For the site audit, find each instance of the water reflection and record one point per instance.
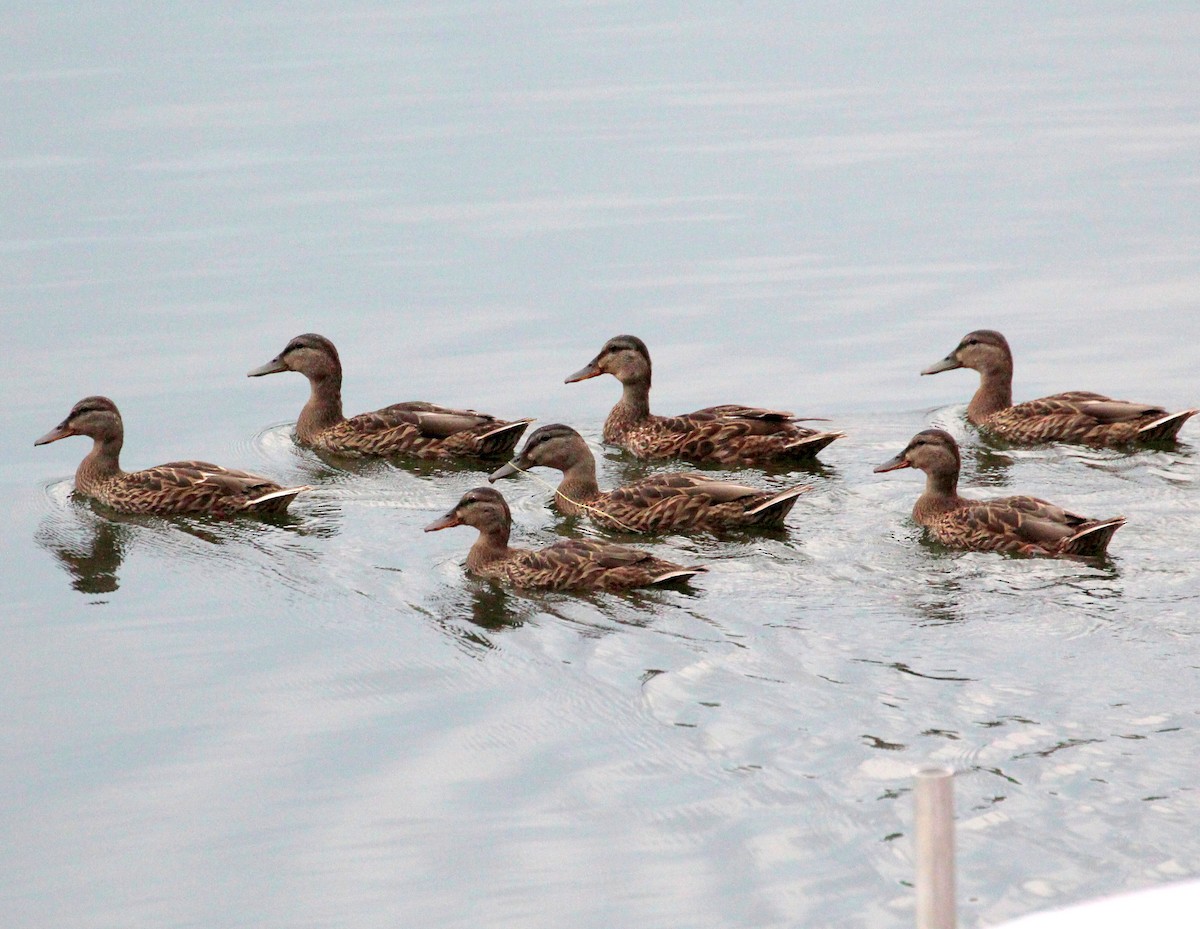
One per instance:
(491, 607)
(939, 602)
(89, 547)
(992, 467)
(91, 541)
(481, 604)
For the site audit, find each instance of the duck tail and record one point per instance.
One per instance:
(1092, 541)
(276, 502)
(501, 441)
(1165, 428)
(773, 510)
(679, 575)
(809, 445)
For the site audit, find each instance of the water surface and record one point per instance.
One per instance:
(326, 722)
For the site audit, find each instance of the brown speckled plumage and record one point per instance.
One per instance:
(659, 503)
(1078, 416)
(1019, 525)
(175, 488)
(419, 429)
(571, 564)
(729, 434)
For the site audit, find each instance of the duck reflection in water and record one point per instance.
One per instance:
(91, 541)
(90, 549)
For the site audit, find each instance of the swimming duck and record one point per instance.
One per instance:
(659, 503)
(179, 487)
(570, 564)
(729, 434)
(1077, 416)
(419, 429)
(1021, 525)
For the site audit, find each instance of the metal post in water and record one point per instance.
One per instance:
(935, 847)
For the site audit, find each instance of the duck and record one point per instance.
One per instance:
(730, 434)
(417, 429)
(1018, 525)
(569, 564)
(660, 503)
(1079, 416)
(175, 488)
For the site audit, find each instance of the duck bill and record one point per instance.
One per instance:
(591, 369)
(445, 522)
(507, 470)
(949, 363)
(894, 464)
(61, 431)
(274, 366)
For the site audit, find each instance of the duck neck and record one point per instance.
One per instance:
(324, 406)
(577, 487)
(631, 409)
(940, 496)
(994, 393)
(101, 464)
(492, 545)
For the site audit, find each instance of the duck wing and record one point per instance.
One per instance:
(575, 553)
(432, 421)
(659, 487)
(425, 430)
(194, 487)
(1096, 406)
(1019, 524)
(181, 475)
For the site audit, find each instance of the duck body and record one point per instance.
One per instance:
(729, 434)
(570, 564)
(419, 429)
(1080, 417)
(1018, 525)
(175, 488)
(415, 428)
(659, 503)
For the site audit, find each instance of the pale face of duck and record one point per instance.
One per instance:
(983, 350)
(483, 508)
(310, 354)
(932, 451)
(95, 417)
(625, 357)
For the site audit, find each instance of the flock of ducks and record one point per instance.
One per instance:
(730, 435)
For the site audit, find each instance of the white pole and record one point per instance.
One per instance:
(935, 847)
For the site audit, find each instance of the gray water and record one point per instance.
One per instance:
(326, 722)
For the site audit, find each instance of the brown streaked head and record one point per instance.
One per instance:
(484, 508)
(931, 450)
(91, 416)
(310, 354)
(624, 356)
(552, 446)
(981, 350)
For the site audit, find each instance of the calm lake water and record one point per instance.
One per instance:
(325, 722)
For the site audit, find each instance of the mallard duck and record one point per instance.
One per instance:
(1078, 416)
(419, 429)
(729, 434)
(179, 487)
(1022, 525)
(659, 503)
(571, 564)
